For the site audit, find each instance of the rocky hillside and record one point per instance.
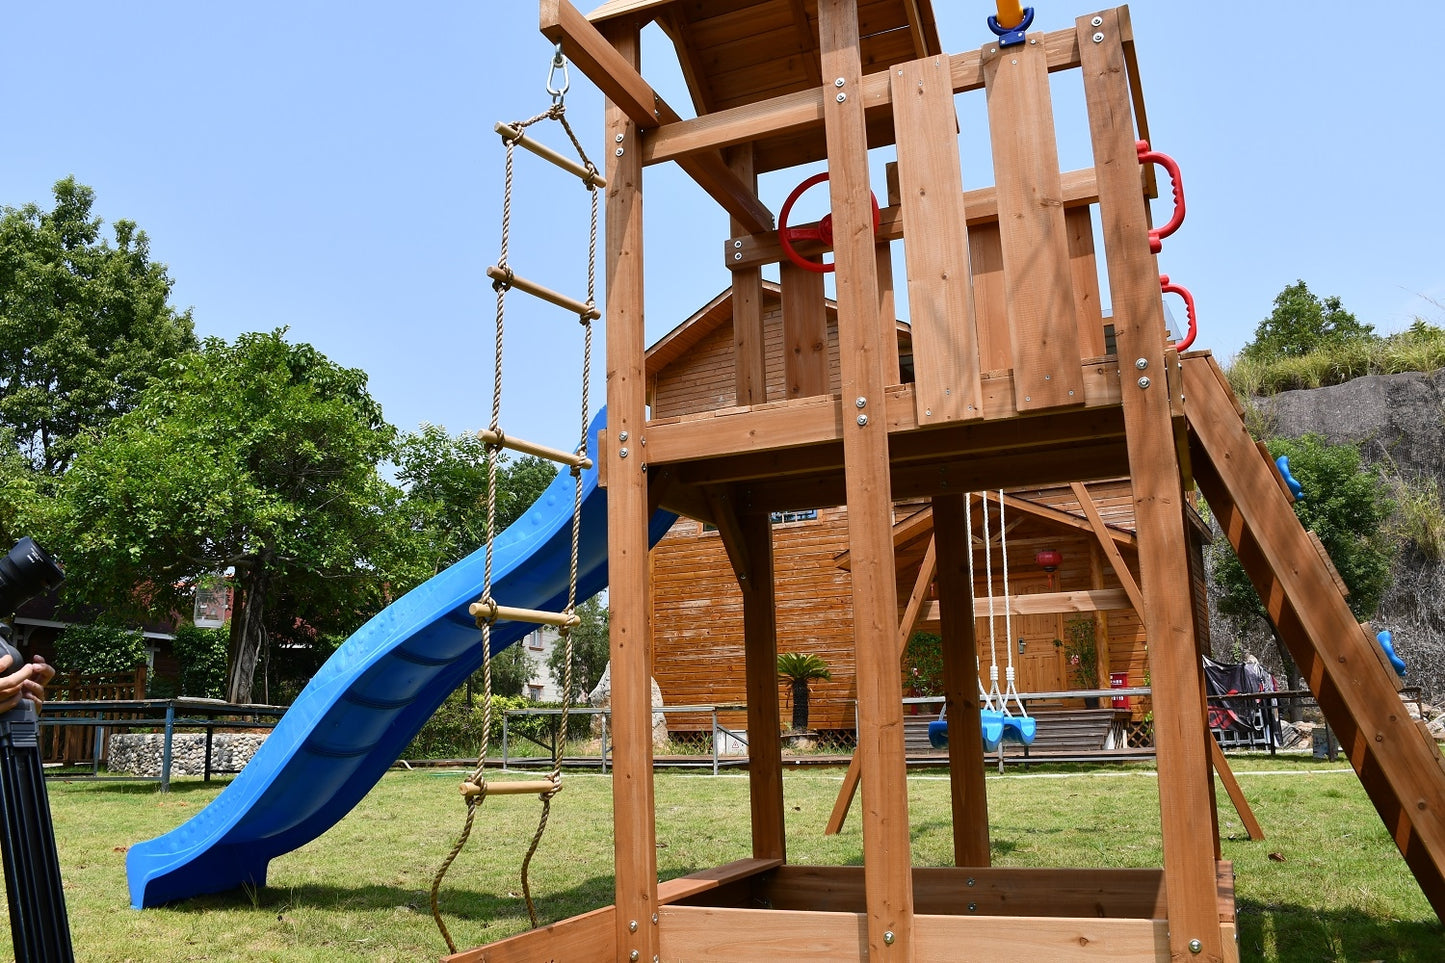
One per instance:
(1398, 422)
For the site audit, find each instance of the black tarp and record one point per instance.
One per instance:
(1241, 722)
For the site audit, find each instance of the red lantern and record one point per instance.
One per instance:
(1048, 559)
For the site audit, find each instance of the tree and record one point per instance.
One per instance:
(258, 457)
(1301, 323)
(99, 649)
(799, 670)
(512, 669)
(1346, 504)
(445, 478)
(590, 650)
(202, 655)
(83, 324)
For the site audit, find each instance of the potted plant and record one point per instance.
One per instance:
(799, 669)
(1082, 654)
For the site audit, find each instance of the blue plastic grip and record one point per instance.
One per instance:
(1296, 489)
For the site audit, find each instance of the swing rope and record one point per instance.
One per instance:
(1009, 690)
(475, 788)
(993, 690)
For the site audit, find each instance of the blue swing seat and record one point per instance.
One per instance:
(993, 725)
(938, 733)
(1019, 729)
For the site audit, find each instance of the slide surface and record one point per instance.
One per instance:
(370, 699)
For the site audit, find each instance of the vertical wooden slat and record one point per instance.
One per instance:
(887, 870)
(888, 314)
(760, 641)
(945, 359)
(750, 373)
(1037, 275)
(633, 819)
(1185, 783)
(1084, 268)
(968, 792)
(985, 252)
(805, 332)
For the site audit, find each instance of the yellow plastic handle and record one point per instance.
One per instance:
(1010, 15)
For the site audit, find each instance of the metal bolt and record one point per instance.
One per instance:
(861, 402)
(842, 97)
(972, 881)
(738, 243)
(888, 937)
(862, 420)
(1142, 363)
(634, 955)
(1098, 38)
(654, 919)
(622, 436)
(632, 926)
(839, 82)
(973, 907)
(617, 152)
(618, 138)
(738, 256)
(1015, 62)
(1196, 947)
(928, 411)
(1097, 22)
(1143, 382)
(1033, 40)
(622, 453)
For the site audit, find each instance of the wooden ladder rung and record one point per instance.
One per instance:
(506, 613)
(579, 308)
(572, 458)
(520, 788)
(590, 177)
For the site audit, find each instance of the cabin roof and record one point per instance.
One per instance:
(734, 53)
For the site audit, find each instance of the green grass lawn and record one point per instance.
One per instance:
(1326, 883)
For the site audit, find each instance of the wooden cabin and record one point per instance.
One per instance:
(1014, 384)
(697, 618)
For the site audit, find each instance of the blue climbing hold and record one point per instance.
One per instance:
(1295, 488)
(1387, 643)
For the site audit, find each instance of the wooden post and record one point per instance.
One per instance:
(960, 676)
(886, 855)
(750, 373)
(760, 641)
(805, 332)
(633, 818)
(1185, 783)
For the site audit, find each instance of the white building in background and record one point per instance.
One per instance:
(538, 645)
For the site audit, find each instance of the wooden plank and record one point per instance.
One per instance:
(968, 796)
(728, 935)
(1060, 517)
(886, 845)
(887, 311)
(760, 635)
(589, 938)
(1236, 794)
(749, 366)
(1329, 564)
(906, 623)
(1038, 281)
(1048, 603)
(706, 880)
(1084, 269)
(1111, 551)
(1185, 787)
(805, 332)
(633, 817)
(980, 205)
(945, 343)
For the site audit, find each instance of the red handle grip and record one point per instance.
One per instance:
(823, 232)
(1147, 156)
(1165, 285)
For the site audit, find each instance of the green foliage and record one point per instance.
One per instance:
(455, 730)
(1081, 651)
(590, 650)
(1346, 504)
(511, 668)
(1419, 517)
(923, 664)
(202, 655)
(84, 325)
(445, 478)
(99, 649)
(802, 667)
(1421, 347)
(1301, 323)
(260, 456)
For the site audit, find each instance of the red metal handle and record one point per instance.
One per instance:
(822, 232)
(1147, 156)
(1165, 285)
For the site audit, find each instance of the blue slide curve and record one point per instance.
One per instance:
(370, 699)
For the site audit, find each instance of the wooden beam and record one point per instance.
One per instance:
(760, 671)
(1048, 603)
(1059, 517)
(1236, 794)
(624, 86)
(1111, 551)
(749, 352)
(805, 332)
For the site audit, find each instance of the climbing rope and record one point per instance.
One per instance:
(486, 609)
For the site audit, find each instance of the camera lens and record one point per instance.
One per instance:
(25, 572)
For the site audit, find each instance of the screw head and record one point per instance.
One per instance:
(1143, 382)
(738, 256)
(618, 138)
(888, 937)
(842, 97)
(1097, 22)
(1141, 363)
(622, 453)
(861, 402)
(632, 926)
(839, 82)
(634, 955)
(654, 919)
(973, 907)
(862, 420)
(622, 436)
(1196, 947)
(1098, 38)
(617, 152)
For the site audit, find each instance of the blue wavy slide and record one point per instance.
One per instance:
(369, 700)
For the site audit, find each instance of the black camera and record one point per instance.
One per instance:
(25, 572)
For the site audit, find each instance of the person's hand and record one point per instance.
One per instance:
(28, 682)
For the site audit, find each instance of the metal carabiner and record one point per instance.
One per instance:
(558, 62)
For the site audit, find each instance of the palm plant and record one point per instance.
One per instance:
(799, 669)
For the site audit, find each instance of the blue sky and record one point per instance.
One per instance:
(331, 168)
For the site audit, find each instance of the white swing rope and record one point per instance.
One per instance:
(1009, 691)
(993, 690)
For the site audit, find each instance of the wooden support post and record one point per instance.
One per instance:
(1185, 786)
(749, 367)
(805, 332)
(760, 638)
(633, 816)
(886, 849)
(960, 678)
(1236, 794)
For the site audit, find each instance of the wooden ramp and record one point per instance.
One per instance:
(1396, 759)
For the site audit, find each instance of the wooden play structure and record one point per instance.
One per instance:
(1017, 378)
